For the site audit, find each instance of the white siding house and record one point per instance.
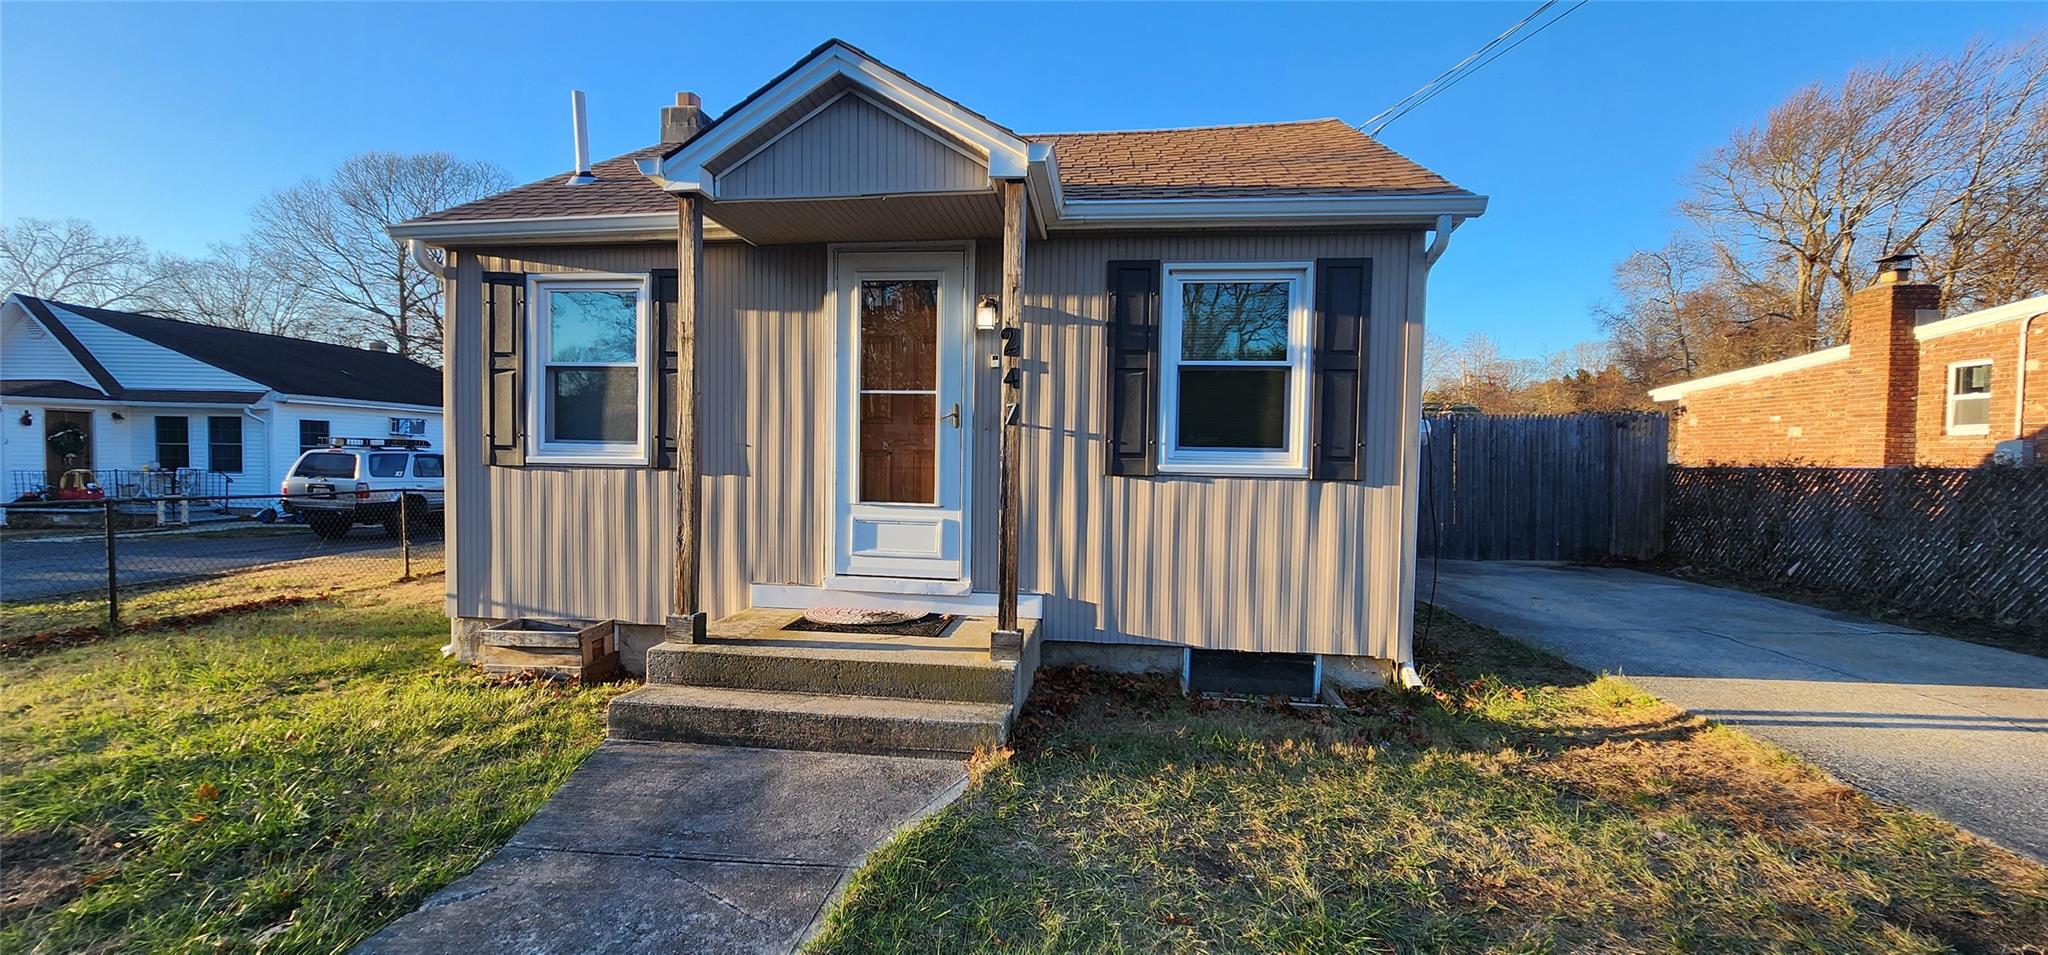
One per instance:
(146, 403)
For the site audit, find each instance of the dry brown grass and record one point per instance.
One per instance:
(1524, 806)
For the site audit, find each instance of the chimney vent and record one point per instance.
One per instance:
(683, 120)
(1895, 269)
(580, 130)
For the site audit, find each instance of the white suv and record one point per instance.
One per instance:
(361, 481)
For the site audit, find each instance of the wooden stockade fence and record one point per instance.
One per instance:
(1542, 487)
(1955, 542)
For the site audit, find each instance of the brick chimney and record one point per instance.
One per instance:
(1887, 357)
(683, 120)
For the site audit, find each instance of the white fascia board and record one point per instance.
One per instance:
(684, 171)
(2024, 308)
(1752, 373)
(1265, 211)
(354, 403)
(627, 227)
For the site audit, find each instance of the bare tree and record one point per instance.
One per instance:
(73, 262)
(327, 236)
(235, 288)
(1938, 155)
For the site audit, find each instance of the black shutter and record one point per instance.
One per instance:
(1343, 287)
(665, 297)
(1131, 429)
(504, 299)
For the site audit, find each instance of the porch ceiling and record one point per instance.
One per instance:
(912, 218)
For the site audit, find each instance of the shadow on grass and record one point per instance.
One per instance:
(1520, 803)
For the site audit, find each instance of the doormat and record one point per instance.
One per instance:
(929, 625)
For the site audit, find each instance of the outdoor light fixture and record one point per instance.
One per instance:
(27, 419)
(986, 313)
(119, 416)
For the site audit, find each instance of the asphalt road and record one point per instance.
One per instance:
(31, 569)
(1951, 728)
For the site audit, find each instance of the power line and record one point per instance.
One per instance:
(1455, 67)
(1426, 93)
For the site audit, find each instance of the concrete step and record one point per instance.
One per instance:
(848, 671)
(812, 721)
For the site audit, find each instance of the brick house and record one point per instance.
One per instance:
(1910, 387)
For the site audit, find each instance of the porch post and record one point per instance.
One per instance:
(1013, 393)
(686, 617)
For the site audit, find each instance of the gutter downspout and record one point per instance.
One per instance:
(426, 261)
(1405, 675)
(2019, 393)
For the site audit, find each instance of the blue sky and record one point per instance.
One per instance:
(169, 121)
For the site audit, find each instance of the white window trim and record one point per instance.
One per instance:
(1967, 429)
(539, 449)
(1288, 461)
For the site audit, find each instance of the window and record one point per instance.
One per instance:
(224, 444)
(590, 403)
(1234, 355)
(388, 465)
(327, 464)
(173, 441)
(312, 433)
(409, 427)
(1969, 397)
(426, 466)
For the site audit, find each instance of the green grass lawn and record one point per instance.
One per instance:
(286, 780)
(1526, 806)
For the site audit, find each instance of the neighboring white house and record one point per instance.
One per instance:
(150, 403)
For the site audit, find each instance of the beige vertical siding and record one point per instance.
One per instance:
(1234, 563)
(812, 159)
(595, 542)
(1254, 564)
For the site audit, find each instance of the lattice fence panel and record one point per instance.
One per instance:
(1970, 543)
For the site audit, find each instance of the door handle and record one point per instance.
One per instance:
(954, 415)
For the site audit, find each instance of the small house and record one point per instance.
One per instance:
(155, 406)
(1146, 399)
(1911, 386)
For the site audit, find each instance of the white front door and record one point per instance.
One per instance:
(900, 473)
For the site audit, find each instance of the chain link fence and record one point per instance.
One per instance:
(100, 566)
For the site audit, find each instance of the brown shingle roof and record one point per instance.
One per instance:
(1311, 158)
(620, 189)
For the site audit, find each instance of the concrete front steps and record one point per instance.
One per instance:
(751, 683)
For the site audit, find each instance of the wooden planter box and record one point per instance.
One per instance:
(576, 649)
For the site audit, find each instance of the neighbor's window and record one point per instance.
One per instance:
(592, 379)
(409, 427)
(312, 433)
(224, 444)
(1969, 398)
(173, 441)
(1234, 352)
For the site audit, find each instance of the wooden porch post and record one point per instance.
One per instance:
(1013, 394)
(686, 617)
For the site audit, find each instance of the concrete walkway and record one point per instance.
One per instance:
(673, 847)
(1952, 728)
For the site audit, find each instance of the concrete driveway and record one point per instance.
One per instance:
(1948, 727)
